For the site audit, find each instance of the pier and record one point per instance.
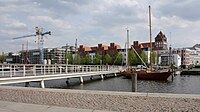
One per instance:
(27, 73)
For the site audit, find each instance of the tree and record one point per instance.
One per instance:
(107, 59)
(87, 59)
(69, 57)
(144, 57)
(2, 58)
(132, 58)
(83, 60)
(118, 59)
(154, 57)
(77, 59)
(97, 59)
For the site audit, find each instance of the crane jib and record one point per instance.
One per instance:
(42, 34)
(25, 36)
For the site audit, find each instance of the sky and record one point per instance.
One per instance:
(97, 21)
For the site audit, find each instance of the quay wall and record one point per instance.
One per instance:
(102, 100)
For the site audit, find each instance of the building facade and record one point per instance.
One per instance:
(160, 46)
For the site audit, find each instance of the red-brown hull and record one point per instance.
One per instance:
(143, 75)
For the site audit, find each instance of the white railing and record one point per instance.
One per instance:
(19, 70)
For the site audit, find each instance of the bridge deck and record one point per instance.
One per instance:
(27, 73)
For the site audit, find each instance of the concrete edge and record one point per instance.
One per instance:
(139, 94)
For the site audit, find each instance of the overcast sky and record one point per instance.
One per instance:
(97, 21)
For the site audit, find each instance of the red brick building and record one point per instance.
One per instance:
(101, 49)
(159, 44)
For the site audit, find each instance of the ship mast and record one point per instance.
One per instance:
(127, 48)
(150, 38)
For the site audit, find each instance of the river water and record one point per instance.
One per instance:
(188, 84)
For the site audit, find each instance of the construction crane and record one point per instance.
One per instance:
(40, 35)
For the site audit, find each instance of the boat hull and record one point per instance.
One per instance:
(143, 75)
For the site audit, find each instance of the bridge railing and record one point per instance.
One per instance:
(19, 70)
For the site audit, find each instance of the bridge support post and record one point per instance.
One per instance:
(102, 77)
(81, 80)
(42, 84)
(91, 77)
(67, 81)
(27, 84)
(134, 82)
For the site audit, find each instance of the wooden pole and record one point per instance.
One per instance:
(150, 38)
(134, 82)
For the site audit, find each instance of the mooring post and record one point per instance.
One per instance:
(42, 84)
(173, 75)
(134, 82)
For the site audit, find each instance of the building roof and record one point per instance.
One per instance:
(118, 46)
(146, 45)
(161, 36)
(87, 48)
(105, 47)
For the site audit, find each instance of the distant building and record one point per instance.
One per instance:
(159, 46)
(175, 59)
(194, 54)
(101, 49)
(51, 56)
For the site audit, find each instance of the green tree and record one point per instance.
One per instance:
(83, 60)
(2, 58)
(69, 57)
(107, 59)
(154, 57)
(133, 58)
(77, 59)
(87, 59)
(144, 57)
(97, 59)
(118, 59)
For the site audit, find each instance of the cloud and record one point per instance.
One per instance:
(60, 24)
(97, 21)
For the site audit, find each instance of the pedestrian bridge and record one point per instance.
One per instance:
(18, 73)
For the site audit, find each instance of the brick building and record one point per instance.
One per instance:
(159, 46)
(101, 49)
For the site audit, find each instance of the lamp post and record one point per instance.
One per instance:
(66, 54)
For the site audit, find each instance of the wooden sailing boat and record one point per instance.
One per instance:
(147, 75)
